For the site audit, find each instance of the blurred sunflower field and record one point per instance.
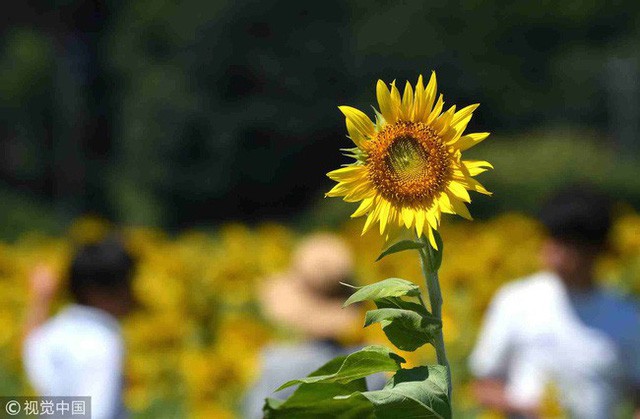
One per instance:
(193, 347)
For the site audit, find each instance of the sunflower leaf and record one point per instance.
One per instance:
(397, 302)
(406, 329)
(400, 247)
(319, 400)
(413, 393)
(367, 361)
(390, 287)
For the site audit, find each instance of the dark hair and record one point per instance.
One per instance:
(579, 214)
(105, 266)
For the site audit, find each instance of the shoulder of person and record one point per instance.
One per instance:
(96, 347)
(528, 288)
(71, 330)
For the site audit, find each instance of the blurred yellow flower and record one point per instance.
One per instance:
(199, 335)
(212, 411)
(408, 167)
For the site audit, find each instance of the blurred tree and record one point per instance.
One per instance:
(53, 103)
(228, 106)
(176, 114)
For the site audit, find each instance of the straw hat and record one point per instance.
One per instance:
(309, 296)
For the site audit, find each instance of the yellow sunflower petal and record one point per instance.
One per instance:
(420, 217)
(477, 186)
(407, 102)
(462, 115)
(388, 111)
(407, 216)
(363, 208)
(437, 109)
(368, 223)
(432, 219)
(385, 206)
(475, 167)
(460, 208)
(443, 122)
(359, 191)
(396, 100)
(444, 204)
(459, 191)
(432, 238)
(462, 125)
(419, 102)
(452, 136)
(338, 190)
(358, 138)
(467, 141)
(348, 174)
(394, 215)
(360, 120)
(438, 212)
(430, 93)
(373, 215)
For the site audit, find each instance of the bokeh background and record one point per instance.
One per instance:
(203, 129)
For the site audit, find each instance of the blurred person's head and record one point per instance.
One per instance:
(101, 275)
(577, 219)
(321, 262)
(309, 296)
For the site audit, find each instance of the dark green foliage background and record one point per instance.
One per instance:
(180, 114)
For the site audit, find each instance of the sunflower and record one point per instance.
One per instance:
(408, 166)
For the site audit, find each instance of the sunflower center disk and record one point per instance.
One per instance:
(408, 164)
(407, 159)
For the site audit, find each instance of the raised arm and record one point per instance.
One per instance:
(43, 286)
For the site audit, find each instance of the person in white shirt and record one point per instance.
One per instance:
(80, 351)
(559, 325)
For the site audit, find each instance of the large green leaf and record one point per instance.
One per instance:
(400, 247)
(406, 329)
(390, 287)
(367, 361)
(416, 393)
(411, 393)
(437, 374)
(330, 367)
(397, 302)
(318, 400)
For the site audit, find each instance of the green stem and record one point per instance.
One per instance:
(422, 301)
(435, 301)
